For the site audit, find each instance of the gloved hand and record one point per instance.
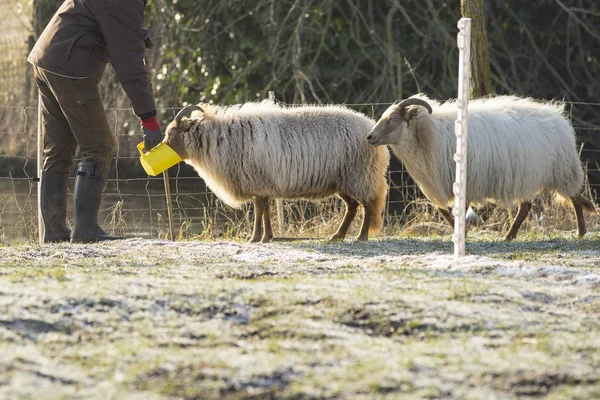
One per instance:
(152, 133)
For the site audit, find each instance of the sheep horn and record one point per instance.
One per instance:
(413, 102)
(186, 110)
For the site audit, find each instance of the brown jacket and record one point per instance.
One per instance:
(84, 35)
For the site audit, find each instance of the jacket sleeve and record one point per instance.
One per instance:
(121, 27)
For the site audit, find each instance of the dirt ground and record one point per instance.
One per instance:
(394, 318)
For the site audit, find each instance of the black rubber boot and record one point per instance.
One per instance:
(89, 185)
(54, 207)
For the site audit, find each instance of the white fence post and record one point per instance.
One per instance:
(460, 129)
(278, 202)
(40, 155)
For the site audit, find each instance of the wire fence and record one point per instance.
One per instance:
(134, 203)
(14, 84)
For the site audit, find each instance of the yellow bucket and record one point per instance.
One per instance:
(159, 159)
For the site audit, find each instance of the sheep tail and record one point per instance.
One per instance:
(587, 205)
(376, 224)
(579, 199)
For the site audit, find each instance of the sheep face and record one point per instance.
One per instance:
(394, 126)
(175, 136)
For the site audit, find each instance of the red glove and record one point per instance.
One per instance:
(152, 133)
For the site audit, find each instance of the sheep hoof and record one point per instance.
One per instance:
(255, 239)
(361, 239)
(336, 238)
(509, 238)
(266, 239)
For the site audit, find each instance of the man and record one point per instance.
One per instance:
(69, 59)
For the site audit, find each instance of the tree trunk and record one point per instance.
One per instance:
(481, 76)
(43, 10)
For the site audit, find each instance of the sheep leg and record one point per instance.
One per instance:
(268, 232)
(364, 230)
(260, 203)
(578, 206)
(524, 208)
(351, 207)
(447, 214)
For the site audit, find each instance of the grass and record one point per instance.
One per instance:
(391, 318)
(212, 316)
(310, 220)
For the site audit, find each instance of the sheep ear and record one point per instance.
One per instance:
(410, 113)
(183, 123)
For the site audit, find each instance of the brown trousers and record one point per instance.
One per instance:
(72, 115)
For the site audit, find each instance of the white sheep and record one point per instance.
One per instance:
(517, 149)
(262, 150)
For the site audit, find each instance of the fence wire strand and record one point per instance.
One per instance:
(136, 203)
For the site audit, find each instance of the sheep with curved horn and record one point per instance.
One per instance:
(185, 111)
(263, 150)
(518, 148)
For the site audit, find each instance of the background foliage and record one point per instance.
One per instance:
(361, 51)
(352, 51)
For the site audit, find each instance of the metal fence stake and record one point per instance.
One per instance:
(460, 129)
(169, 205)
(40, 153)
